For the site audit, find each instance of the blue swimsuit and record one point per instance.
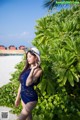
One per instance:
(27, 93)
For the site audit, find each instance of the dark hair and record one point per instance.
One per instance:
(27, 64)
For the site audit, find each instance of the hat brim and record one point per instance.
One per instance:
(38, 57)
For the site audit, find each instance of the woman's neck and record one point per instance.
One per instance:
(32, 65)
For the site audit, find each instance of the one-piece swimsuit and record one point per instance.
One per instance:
(28, 94)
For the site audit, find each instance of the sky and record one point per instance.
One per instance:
(18, 21)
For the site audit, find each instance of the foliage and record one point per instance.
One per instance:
(58, 39)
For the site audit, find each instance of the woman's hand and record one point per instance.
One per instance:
(17, 102)
(29, 80)
(36, 65)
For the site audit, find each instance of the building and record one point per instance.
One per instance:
(22, 47)
(2, 47)
(12, 47)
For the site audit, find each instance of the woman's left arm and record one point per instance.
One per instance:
(33, 76)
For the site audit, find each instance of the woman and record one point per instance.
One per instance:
(29, 77)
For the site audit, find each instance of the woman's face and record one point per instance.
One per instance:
(31, 58)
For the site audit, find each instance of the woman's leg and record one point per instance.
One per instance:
(29, 117)
(29, 107)
(23, 115)
(26, 111)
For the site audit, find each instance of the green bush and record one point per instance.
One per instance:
(58, 39)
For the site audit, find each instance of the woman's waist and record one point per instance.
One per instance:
(28, 92)
(23, 86)
(27, 89)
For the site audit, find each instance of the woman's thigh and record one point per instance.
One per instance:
(30, 106)
(23, 104)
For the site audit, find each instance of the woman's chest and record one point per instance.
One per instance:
(25, 75)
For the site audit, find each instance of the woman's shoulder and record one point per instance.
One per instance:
(39, 69)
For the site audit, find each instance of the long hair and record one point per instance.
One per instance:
(27, 64)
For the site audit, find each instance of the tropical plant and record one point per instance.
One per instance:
(58, 39)
(50, 4)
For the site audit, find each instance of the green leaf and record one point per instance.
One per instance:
(70, 78)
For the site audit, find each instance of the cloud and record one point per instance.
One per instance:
(24, 33)
(20, 35)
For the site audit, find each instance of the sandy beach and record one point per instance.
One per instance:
(5, 110)
(7, 64)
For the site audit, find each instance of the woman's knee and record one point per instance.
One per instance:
(25, 111)
(24, 114)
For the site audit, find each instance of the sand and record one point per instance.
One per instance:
(5, 110)
(7, 64)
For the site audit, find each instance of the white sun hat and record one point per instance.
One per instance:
(36, 52)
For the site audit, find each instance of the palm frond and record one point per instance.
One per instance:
(50, 4)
